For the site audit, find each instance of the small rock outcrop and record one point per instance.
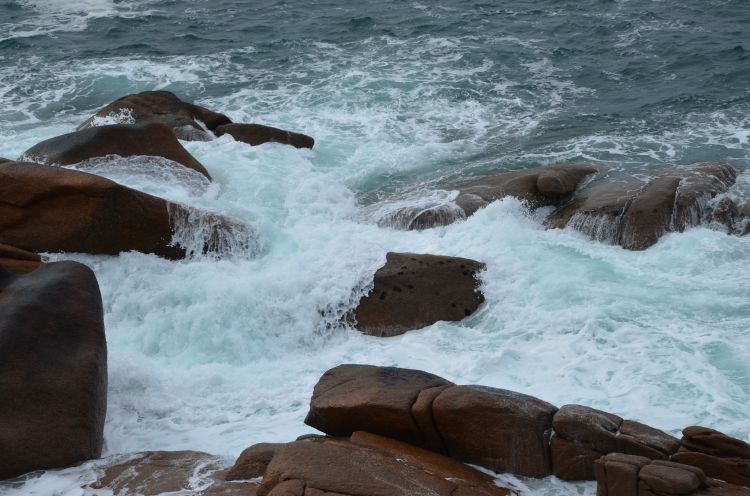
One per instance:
(256, 134)
(18, 261)
(634, 212)
(52, 209)
(185, 119)
(412, 291)
(253, 461)
(124, 140)
(53, 368)
(718, 455)
(370, 465)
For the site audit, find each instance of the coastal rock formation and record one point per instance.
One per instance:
(634, 212)
(253, 461)
(412, 291)
(370, 465)
(628, 475)
(256, 134)
(185, 119)
(18, 261)
(154, 473)
(719, 455)
(53, 368)
(125, 140)
(52, 209)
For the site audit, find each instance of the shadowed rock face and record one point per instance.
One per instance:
(125, 140)
(166, 108)
(256, 134)
(412, 291)
(53, 368)
(370, 465)
(51, 209)
(18, 261)
(635, 212)
(719, 455)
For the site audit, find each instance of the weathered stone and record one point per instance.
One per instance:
(421, 412)
(253, 461)
(617, 474)
(124, 140)
(667, 480)
(18, 261)
(162, 107)
(713, 442)
(53, 368)
(350, 398)
(154, 473)
(587, 425)
(730, 469)
(494, 428)
(637, 439)
(256, 134)
(412, 291)
(573, 461)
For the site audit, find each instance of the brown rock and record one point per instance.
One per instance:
(52, 209)
(125, 140)
(412, 291)
(497, 429)
(637, 439)
(712, 442)
(617, 474)
(351, 398)
(587, 425)
(370, 466)
(657, 479)
(155, 473)
(421, 412)
(573, 461)
(256, 134)
(18, 261)
(719, 488)
(253, 461)
(164, 107)
(53, 368)
(730, 469)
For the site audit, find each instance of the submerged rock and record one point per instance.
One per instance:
(370, 465)
(185, 119)
(635, 212)
(256, 134)
(124, 140)
(18, 261)
(52, 209)
(412, 291)
(53, 368)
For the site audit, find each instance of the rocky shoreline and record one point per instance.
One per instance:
(387, 431)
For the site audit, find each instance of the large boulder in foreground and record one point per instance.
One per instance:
(162, 107)
(635, 211)
(370, 465)
(717, 454)
(18, 261)
(53, 368)
(257, 134)
(412, 291)
(497, 429)
(52, 209)
(125, 140)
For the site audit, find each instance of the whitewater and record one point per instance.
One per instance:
(218, 353)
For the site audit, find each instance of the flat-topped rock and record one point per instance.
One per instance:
(124, 140)
(52, 209)
(183, 118)
(412, 291)
(256, 134)
(53, 368)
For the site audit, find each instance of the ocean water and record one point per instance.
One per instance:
(404, 99)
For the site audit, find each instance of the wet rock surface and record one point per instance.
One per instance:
(53, 368)
(124, 140)
(412, 291)
(257, 134)
(18, 261)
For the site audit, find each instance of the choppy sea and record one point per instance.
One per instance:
(404, 99)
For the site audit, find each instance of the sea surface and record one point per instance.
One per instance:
(404, 100)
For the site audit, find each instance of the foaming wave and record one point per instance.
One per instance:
(200, 232)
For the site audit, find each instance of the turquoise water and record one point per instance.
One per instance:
(404, 98)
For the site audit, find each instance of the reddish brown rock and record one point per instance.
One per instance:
(124, 140)
(52, 209)
(370, 466)
(730, 469)
(573, 461)
(166, 108)
(412, 291)
(668, 479)
(640, 439)
(617, 474)
(53, 368)
(635, 212)
(18, 261)
(497, 429)
(717, 454)
(253, 461)
(154, 473)
(256, 134)
(351, 398)
(713, 442)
